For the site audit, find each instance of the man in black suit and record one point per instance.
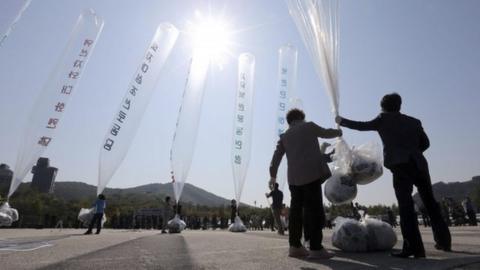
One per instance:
(404, 142)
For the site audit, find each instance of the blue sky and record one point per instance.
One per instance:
(425, 50)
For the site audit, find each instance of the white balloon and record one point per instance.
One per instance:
(130, 112)
(49, 107)
(183, 144)
(287, 98)
(317, 22)
(17, 18)
(243, 115)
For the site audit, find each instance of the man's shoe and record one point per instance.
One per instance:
(446, 248)
(321, 254)
(97, 233)
(406, 254)
(88, 232)
(298, 252)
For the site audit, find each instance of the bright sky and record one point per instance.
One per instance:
(425, 50)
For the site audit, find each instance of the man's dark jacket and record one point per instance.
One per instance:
(403, 138)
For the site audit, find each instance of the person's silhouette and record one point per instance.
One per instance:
(404, 142)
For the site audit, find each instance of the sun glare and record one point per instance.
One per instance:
(210, 37)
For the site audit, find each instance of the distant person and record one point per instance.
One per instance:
(355, 211)
(277, 198)
(99, 205)
(404, 142)
(392, 220)
(469, 209)
(233, 210)
(177, 209)
(167, 213)
(445, 209)
(307, 170)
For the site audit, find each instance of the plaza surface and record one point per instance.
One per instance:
(148, 249)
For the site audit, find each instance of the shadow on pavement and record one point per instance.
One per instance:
(383, 260)
(149, 252)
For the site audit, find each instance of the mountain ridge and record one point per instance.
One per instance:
(73, 190)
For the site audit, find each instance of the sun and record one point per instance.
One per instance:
(210, 37)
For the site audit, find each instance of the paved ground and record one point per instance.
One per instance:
(119, 249)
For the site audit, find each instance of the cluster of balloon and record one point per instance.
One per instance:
(127, 118)
(48, 109)
(317, 22)
(185, 135)
(242, 132)
(17, 18)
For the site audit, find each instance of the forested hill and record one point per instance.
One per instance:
(457, 190)
(191, 194)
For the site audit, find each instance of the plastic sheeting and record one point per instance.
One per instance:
(380, 235)
(183, 144)
(317, 22)
(349, 235)
(132, 107)
(359, 165)
(86, 215)
(367, 235)
(45, 116)
(340, 189)
(17, 18)
(367, 163)
(8, 215)
(243, 115)
(176, 225)
(237, 226)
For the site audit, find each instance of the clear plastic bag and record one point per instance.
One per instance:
(8, 215)
(86, 215)
(349, 235)
(237, 226)
(367, 163)
(359, 165)
(340, 188)
(380, 235)
(176, 225)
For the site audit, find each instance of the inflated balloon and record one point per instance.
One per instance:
(17, 18)
(243, 114)
(183, 144)
(287, 97)
(317, 22)
(286, 85)
(49, 107)
(132, 107)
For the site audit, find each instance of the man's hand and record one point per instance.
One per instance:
(271, 183)
(266, 194)
(338, 119)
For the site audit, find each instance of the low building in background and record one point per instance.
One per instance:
(5, 179)
(43, 176)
